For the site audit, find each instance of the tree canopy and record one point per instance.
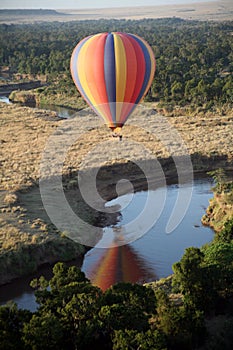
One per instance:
(194, 59)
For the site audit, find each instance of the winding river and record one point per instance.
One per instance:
(148, 258)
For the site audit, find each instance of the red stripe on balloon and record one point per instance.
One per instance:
(140, 73)
(131, 63)
(93, 67)
(141, 68)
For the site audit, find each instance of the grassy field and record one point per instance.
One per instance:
(27, 239)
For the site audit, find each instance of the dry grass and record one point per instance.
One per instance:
(25, 131)
(23, 136)
(10, 199)
(219, 211)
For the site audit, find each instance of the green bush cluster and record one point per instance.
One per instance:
(74, 314)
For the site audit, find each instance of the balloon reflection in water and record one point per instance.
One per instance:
(117, 264)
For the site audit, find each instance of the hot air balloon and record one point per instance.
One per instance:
(113, 72)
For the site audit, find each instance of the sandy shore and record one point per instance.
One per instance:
(214, 10)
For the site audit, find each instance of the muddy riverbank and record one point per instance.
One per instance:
(6, 89)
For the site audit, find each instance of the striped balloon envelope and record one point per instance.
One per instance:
(113, 72)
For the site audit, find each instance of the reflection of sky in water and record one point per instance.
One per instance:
(4, 99)
(131, 205)
(161, 250)
(140, 212)
(156, 249)
(63, 112)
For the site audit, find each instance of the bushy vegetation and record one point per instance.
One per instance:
(191, 309)
(194, 59)
(220, 210)
(74, 314)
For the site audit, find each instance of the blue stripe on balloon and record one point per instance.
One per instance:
(148, 67)
(110, 74)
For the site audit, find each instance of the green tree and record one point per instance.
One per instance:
(127, 306)
(11, 326)
(177, 90)
(194, 281)
(183, 325)
(219, 177)
(44, 331)
(219, 258)
(131, 339)
(72, 304)
(226, 235)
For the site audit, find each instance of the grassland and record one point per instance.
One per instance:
(27, 239)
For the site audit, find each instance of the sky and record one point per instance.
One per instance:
(80, 4)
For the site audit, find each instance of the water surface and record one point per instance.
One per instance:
(148, 258)
(152, 256)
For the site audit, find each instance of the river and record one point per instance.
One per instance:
(149, 258)
(62, 112)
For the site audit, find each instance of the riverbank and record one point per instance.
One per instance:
(25, 243)
(58, 92)
(24, 133)
(6, 89)
(220, 209)
(55, 95)
(48, 95)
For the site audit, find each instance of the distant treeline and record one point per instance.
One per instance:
(194, 59)
(32, 12)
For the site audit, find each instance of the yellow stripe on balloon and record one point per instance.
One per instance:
(81, 65)
(121, 74)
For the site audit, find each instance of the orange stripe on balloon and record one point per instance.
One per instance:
(92, 58)
(141, 67)
(140, 73)
(82, 69)
(131, 62)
